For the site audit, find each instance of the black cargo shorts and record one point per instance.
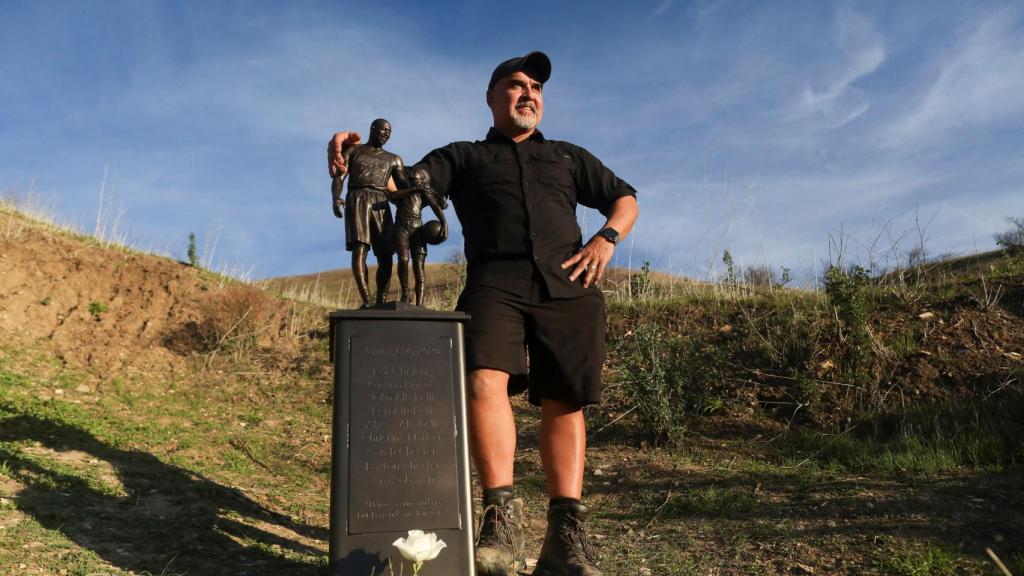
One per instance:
(553, 347)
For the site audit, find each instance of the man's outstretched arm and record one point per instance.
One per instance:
(592, 260)
(337, 164)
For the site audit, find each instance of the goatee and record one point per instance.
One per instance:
(524, 121)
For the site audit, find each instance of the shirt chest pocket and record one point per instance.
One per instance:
(495, 176)
(555, 174)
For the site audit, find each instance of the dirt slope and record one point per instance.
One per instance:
(102, 309)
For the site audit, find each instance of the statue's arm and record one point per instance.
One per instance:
(403, 184)
(397, 179)
(431, 198)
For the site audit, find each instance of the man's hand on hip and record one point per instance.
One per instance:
(591, 261)
(335, 148)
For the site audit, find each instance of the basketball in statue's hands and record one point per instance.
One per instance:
(433, 232)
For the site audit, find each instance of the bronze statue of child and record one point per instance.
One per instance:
(410, 236)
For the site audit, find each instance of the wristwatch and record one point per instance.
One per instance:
(610, 234)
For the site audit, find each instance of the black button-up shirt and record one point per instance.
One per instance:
(517, 204)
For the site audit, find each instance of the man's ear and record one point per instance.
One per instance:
(489, 98)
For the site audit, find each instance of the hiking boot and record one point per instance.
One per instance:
(567, 550)
(501, 536)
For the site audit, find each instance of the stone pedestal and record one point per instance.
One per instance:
(400, 454)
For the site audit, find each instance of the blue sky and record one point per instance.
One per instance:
(764, 128)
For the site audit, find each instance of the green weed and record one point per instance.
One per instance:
(731, 502)
(932, 561)
(902, 345)
(847, 291)
(667, 378)
(97, 309)
(193, 256)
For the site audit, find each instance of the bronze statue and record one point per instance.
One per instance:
(372, 172)
(410, 235)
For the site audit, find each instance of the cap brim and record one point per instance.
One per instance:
(537, 65)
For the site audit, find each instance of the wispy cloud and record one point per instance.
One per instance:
(977, 84)
(663, 7)
(837, 98)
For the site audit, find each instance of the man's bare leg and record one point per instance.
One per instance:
(563, 444)
(492, 434)
(563, 441)
(492, 429)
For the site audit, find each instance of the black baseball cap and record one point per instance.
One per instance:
(536, 65)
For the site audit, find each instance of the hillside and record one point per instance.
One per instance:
(160, 419)
(336, 289)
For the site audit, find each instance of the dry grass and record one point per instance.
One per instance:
(234, 318)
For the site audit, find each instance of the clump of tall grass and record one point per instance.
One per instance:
(234, 318)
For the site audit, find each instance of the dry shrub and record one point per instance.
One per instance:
(234, 318)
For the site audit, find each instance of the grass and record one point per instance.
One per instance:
(156, 486)
(928, 439)
(931, 560)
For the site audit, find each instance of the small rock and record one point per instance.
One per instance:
(531, 562)
(803, 569)
(598, 472)
(645, 571)
(725, 329)
(84, 388)
(827, 365)
(926, 315)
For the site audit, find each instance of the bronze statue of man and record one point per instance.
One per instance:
(367, 213)
(410, 236)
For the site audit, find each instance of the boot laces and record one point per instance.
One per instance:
(501, 534)
(576, 540)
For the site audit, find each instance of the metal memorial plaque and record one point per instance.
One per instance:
(402, 453)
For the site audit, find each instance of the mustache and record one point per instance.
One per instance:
(528, 104)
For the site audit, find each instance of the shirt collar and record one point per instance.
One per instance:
(495, 135)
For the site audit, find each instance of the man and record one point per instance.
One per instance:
(371, 171)
(531, 286)
(410, 241)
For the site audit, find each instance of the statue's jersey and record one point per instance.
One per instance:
(370, 168)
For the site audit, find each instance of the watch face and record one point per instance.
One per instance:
(610, 234)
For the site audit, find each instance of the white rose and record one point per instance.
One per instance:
(419, 547)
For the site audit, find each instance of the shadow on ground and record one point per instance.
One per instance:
(162, 519)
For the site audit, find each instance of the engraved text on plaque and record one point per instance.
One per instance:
(402, 445)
